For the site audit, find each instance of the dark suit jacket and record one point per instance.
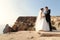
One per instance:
(47, 15)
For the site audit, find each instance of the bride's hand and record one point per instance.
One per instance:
(43, 16)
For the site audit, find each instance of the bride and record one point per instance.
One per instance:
(41, 23)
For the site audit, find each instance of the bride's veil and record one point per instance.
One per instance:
(38, 18)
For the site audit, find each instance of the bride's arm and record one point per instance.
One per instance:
(42, 15)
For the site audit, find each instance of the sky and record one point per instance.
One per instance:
(10, 10)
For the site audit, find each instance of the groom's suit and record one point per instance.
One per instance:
(47, 15)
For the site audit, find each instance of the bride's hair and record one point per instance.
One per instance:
(42, 9)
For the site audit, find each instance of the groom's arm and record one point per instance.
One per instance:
(49, 11)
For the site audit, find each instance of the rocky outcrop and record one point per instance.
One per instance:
(7, 29)
(26, 23)
(55, 20)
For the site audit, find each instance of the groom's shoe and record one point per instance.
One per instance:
(50, 29)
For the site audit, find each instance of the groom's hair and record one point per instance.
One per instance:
(46, 7)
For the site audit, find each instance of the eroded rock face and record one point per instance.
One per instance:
(7, 29)
(24, 23)
(55, 20)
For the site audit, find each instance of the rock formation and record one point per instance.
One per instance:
(24, 23)
(7, 29)
(55, 20)
(27, 23)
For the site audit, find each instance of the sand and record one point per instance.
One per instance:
(30, 35)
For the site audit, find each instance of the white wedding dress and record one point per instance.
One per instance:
(41, 23)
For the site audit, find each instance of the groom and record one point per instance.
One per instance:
(47, 15)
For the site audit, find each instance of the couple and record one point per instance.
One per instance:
(43, 22)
